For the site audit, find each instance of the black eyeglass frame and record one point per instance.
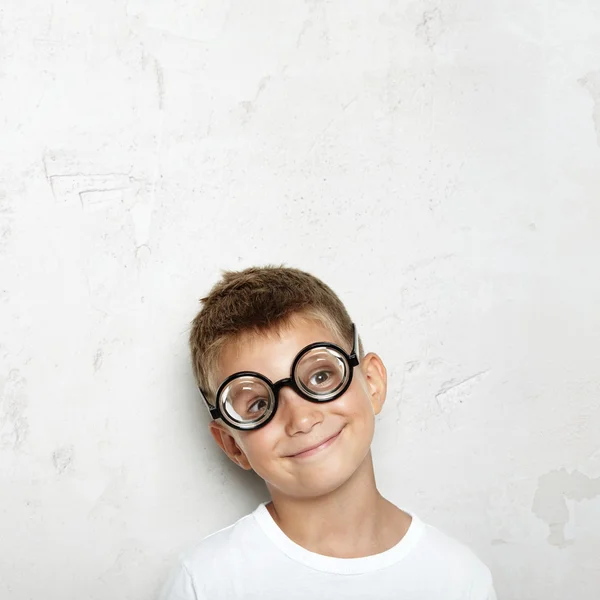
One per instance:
(351, 359)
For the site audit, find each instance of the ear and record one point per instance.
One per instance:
(375, 376)
(226, 440)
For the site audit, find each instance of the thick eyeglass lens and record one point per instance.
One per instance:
(247, 399)
(321, 373)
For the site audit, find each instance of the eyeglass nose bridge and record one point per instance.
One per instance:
(285, 382)
(291, 383)
(288, 382)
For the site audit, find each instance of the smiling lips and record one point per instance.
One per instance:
(314, 449)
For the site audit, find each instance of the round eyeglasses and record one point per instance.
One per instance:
(321, 372)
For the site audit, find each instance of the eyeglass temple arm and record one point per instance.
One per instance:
(354, 355)
(215, 413)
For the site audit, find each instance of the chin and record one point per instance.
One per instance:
(326, 488)
(322, 479)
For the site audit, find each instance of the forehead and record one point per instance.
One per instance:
(273, 352)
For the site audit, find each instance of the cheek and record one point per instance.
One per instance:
(258, 445)
(355, 402)
(357, 410)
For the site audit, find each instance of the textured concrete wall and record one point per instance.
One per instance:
(437, 162)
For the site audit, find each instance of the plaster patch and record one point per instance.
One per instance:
(141, 218)
(91, 190)
(160, 84)
(14, 426)
(550, 505)
(62, 458)
(98, 198)
(320, 136)
(308, 22)
(131, 559)
(591, 82)
(6, 220)
(249, 106)
(142, 255)
(305, 27)
(97, 362)
(431, 27)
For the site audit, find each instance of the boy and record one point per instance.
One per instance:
(292, 396)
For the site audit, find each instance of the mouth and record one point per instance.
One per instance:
(317, 448)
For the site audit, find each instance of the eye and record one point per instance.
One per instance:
(319, 378)
(258, 406)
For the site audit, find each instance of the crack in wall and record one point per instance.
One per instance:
(456, 392)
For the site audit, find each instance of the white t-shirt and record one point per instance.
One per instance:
(254, 559)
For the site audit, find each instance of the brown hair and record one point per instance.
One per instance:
(257, 300)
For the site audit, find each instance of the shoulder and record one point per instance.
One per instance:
(208, 554)
(456, 560)
(208, 559)
(443, 545)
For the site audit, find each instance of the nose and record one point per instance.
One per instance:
(299, 415)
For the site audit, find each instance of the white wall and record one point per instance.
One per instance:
(436, 162)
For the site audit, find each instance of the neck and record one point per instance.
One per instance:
(352, 521)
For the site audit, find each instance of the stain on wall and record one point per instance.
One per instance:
(549, 503)
(591, 82)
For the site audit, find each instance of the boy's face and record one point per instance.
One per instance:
(308, 449)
